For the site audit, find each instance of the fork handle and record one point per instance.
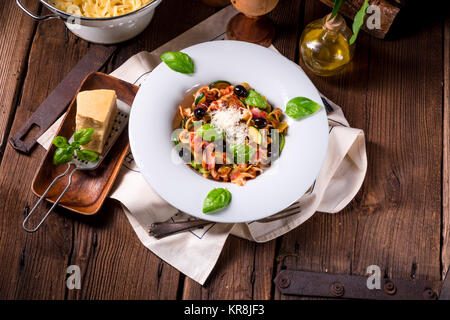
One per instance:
(163, 229)
(43, 197)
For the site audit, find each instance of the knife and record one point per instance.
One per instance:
(58, 100)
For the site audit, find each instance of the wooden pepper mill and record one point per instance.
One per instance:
(251, 24)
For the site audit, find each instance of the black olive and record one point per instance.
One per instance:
(180, 153)
(240, 91)
(199, 113)
(260, 122)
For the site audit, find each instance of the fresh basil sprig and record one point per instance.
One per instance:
(216, 200)
(255, 99)
(336, 7)
(178, 61)
(64, 151)
(358, 21)
(301, 107)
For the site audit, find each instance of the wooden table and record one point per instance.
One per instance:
(397, 91)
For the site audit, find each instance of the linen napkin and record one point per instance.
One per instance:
(195, 252)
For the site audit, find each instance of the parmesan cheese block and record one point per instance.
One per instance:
(96, 109)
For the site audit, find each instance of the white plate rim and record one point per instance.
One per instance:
(198, 52)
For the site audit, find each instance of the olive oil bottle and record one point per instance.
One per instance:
(324, 45)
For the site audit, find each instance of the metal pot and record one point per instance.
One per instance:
(101, 30)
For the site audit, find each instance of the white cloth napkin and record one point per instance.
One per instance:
(195, 252)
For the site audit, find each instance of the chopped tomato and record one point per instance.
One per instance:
(209, 159)
(257, 113)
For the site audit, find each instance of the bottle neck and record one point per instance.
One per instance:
(335, 24)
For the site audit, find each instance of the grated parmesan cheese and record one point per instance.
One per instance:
(228, 120)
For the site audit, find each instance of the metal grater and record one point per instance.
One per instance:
(120, 123)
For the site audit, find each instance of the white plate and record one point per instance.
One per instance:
(269, 73)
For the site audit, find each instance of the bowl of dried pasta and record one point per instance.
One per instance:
(100, 21)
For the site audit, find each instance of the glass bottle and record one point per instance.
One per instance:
(325, 47)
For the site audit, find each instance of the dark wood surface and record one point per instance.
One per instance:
(396, 90)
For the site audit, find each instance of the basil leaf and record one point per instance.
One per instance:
(195, 165)
(282, 142)
(178, 61)
(242, 152)
(336, 7)
(63, 155)
(75, 145)
(358, 21)
(83, 136)
(87, 155)
(209, 133)
(216, 200)
(60, 142)
(301, 107)
(255, 99)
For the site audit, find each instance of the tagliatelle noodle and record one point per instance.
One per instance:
(99, 8)
(225, 112)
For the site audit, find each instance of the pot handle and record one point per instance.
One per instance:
(35, 17)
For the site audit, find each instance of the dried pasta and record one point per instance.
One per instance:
(99, 8)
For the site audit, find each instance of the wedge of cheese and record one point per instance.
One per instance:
(96, 109)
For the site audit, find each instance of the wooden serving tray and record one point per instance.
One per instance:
(89, 188)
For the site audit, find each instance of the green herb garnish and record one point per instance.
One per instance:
(178, 61)
(255, 99)
(242, 152)
(301, 107)
(64, 151)
(209, 133)
(216, 200)
(358, 21)
(196, 165)
(336, 7)
(282, 142)
(87, 155)
(203, 170)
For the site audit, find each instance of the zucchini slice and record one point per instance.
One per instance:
(200, 98)
(219, 84)
(254, 135)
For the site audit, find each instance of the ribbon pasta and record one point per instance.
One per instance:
(99, 8)
(215, 158)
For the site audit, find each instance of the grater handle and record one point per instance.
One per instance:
(43, 197)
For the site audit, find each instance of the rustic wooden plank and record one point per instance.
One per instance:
(389, 11)
(36, 263)
(324, 243)
(245, 269)
(171, 19)
(17, 30)
(114, 262)
(445, 256)
(394, 219)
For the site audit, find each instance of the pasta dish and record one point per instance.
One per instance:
(228, 133)
(99, 8)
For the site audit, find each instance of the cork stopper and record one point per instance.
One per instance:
(334, 24)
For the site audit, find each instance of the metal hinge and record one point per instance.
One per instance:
(313, 284)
